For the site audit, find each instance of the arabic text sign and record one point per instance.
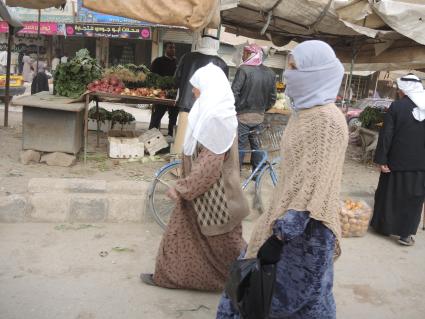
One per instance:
(98, 30)
(46, 28)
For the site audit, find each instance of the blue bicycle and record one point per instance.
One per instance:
(264, 177)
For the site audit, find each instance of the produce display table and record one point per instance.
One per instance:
(51, 123)
(127, 99)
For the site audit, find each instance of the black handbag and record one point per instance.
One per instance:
(250, 288)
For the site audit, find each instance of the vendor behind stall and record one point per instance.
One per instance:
(165, 66)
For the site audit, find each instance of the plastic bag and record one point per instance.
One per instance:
(355, 217)
(250, 288)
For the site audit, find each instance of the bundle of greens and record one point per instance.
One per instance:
(72, 78)
(121, 117)
(103, 115)
(128, 73)
(370, 117)
(159, 82)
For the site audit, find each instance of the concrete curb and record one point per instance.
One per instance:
(77, 200)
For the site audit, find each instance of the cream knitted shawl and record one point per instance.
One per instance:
(313, 151)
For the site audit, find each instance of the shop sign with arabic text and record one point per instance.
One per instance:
(107, 31)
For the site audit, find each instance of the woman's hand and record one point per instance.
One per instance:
(172, 193)
(270, 252)
(384, 169)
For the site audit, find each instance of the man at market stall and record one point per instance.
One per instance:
(254, 88)
(206, 52)
(400, 155)
(40, 82)
(165, 66)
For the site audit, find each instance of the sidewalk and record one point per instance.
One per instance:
(51, 271)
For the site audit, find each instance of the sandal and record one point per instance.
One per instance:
(407, 241)
(147, 279)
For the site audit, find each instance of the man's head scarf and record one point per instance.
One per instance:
(412, 86)
(208, 45)
(256, 55)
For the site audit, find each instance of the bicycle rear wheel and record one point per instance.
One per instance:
(161, 206)
(264, 187)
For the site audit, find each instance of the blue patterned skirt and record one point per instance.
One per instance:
(304, 278)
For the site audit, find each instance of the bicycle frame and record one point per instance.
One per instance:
(260, 167)
(273, 174)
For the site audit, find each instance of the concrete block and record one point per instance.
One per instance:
(50, 207)
(71, 185)
(13, 209)
(88, 209)
(128, 187)
(58, 159)
(30, 156)
(126, 208)
(52, 130)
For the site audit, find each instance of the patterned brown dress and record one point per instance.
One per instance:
(187, 258)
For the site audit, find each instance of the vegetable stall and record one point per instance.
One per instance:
(79, 82)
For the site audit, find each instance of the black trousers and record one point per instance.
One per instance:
(158, 112)
(245, 138)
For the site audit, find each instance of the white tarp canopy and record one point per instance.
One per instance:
(380, 33)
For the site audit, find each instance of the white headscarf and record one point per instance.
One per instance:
(208, 45)
(412, 86)
(318, 76)
(212, 119)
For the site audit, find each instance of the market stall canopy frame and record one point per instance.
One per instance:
(9, 18)
(377, 26)
(193, 14)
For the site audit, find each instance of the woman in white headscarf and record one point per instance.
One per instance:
(301, 231)
(193, 255)
(401, 156)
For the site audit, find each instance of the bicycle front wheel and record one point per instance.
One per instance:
(264, 187)
(161, 206)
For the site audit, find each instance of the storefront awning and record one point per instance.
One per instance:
(193, 14)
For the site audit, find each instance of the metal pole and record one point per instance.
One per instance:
(376, 84)
(38, 39)
(7, 90)
(86, 126)
(350, 80)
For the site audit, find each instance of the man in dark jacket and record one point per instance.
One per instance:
(254, 88)
(165, 66)
(400, 155)
(40, 82)
(206, 52)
